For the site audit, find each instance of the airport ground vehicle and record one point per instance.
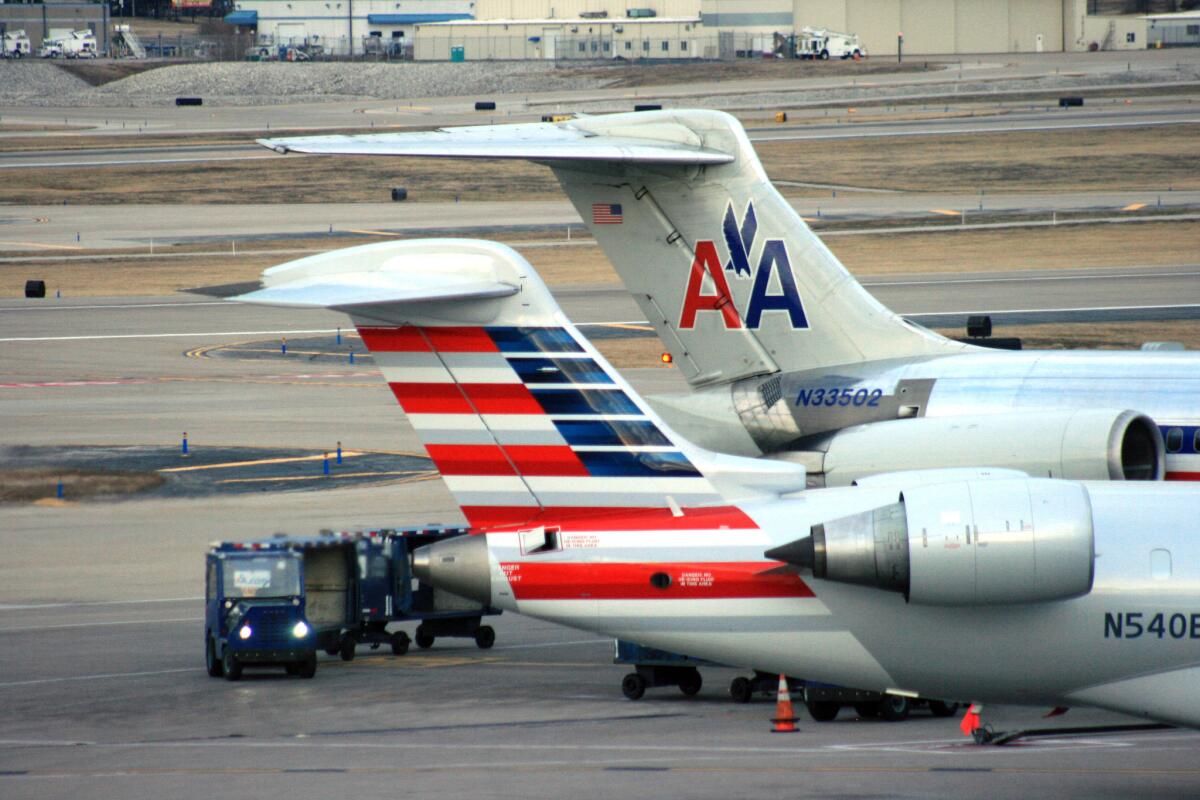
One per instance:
(822, 44)
(255, 611)
(348, 588)
(16, 45)
(69, 44)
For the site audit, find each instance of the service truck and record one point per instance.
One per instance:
(16, 44)
(823, 44)
(255, 610)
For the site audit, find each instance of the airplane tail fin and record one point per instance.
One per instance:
(520, 414)
(733, 280)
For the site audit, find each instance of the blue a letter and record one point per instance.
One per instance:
(775, 259)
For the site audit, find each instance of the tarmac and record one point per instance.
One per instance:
(101, 676)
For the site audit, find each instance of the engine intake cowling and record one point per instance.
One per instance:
(1078, 444)
(965, 543)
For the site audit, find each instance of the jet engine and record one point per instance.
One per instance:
(1004, 541)
(1080, 444)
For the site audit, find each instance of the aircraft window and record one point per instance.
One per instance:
(666, 46)
(683, 46)
(646, 45)
(1196, 441)
(1174, 440)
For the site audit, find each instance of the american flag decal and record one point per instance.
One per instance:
(606, 214)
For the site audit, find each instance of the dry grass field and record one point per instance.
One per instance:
(1027, 162)
(1067, 246)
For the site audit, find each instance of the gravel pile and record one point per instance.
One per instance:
(257, 84)
(26, 79)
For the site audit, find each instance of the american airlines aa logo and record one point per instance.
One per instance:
(765, 294)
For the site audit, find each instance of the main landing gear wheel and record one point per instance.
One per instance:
(741, 690)
(633, 686)
(867, 710)
(399, 643)
(231, 667)
(895, 709)
(485, 637)
(211, 662)
(823, 710)
(424, 638)
(308, 667)
(941, 708)
(346, 647)
(691, 684)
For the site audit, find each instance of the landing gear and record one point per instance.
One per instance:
(399, 642)
(894, 708)
(823, 710)
(424, 638)
(691, 683)
(633, 686)
(485, 637)
(940, 708)
(741, 690)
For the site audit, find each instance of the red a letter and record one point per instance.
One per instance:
(707, 262)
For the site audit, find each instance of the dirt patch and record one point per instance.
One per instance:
(100, 73)
(39, 483)
(624, 74)
(1042, 161)
(1147, 244)
(1088, 160)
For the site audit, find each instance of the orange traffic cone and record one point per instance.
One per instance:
(970, 721)
(785, 718)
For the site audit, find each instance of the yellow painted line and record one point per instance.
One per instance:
(257, 462)
(433, 662)
(314, 477)
(1134, 207)
(46, 246)
(945, 212)
(369, 232)
(629, 327)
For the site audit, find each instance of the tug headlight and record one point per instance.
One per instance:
(301, 630)
(244, 632)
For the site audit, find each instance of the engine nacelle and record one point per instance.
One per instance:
(1079, 444)
(969, 543)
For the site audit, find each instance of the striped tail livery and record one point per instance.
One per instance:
(524, 419)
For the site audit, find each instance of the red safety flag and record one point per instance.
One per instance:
(970, 720)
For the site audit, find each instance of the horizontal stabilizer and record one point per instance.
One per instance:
(386, 274)
(665, 143)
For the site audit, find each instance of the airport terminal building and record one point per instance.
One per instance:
(675, 29)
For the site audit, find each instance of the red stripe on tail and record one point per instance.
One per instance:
(531, 580)
(410, 338)
(583, 518)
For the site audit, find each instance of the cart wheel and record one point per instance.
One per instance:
(346, 648)
(940, 708)
(293, 668)
(867, 710)
(333, 650)
(424, 638)
(633, 686)
(894, 708)
(231, 667)
(485, 637)
(400, 642)
(741, 690)
(823, 710)
(308, 667)
(211, 662)
(691, 683)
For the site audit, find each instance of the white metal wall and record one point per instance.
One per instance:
(935, 27)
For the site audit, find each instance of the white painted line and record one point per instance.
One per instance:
(159, 335)
(100, 624)
(552, 644)
(101, 676)
(124, 305)
(1050, 126)
(92, 604)
(1085, 277)
(1050, 310)
(135, 162)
